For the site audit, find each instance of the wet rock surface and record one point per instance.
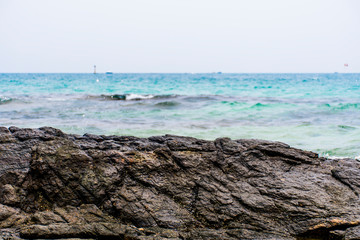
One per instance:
(54, 185)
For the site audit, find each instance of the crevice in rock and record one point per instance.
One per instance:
(64, 182)
(96, 200)
(78, 236)
(335, 174)
(245, 205)
(147, 210)
(289, 158)
(324, 233)
(61, 216)
(192, 207)
(112, 187)
(179, 163)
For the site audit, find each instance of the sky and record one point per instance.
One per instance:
(240, 36)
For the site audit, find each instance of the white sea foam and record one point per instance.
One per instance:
(138, 96)
(4, 98)
(336, 157)
(339, 157)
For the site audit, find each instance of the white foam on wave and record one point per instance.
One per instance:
(339, 158)
(4, 98)
(57, 99)
(336, 157)
(138, 96)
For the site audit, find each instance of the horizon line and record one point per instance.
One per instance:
(219, 72)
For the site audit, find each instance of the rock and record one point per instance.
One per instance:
(56, 185)
(352, 233)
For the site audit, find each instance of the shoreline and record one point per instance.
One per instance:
(307, 111)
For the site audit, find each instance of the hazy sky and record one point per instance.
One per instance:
(179, 35)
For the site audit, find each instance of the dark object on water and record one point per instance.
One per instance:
(54, 185)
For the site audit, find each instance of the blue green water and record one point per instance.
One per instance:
(318, 112)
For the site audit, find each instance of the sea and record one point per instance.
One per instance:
(316, 112)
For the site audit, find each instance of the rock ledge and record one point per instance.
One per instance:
(55, 185)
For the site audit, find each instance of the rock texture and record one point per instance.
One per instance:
(54, 185)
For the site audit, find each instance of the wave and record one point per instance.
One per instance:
(326, 155)
(348, 106)
(201, 98)
(167, 104)
(346, 127)
(342, 106)
(131, 97)
(260, 106)
(4, 100)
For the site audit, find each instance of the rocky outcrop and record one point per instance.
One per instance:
(55, 185)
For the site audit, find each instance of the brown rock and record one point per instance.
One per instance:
(54, 185)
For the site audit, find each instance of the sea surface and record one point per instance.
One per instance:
(317, 112)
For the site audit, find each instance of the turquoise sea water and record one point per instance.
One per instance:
(318, 112)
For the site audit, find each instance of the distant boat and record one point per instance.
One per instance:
(108, 72)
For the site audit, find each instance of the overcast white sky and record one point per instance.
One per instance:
(179, 35)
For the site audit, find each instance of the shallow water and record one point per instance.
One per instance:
(318, 112)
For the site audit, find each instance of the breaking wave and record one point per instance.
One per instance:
(4, 100)
(132, 97)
